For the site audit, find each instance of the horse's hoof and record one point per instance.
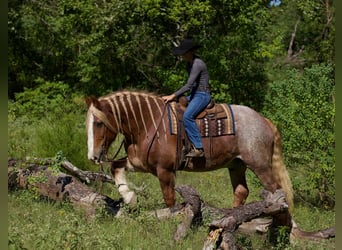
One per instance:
(176, 208)
(131, 199)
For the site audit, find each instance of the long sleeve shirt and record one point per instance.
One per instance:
(198, 79)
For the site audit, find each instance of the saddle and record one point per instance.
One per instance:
(215, 120)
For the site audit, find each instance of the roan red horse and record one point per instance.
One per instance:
(146, 124)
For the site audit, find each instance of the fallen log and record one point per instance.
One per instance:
(245, 219)
(192, 210)
(222, 231)
(59, 186)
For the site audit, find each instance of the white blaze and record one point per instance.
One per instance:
(90, 137)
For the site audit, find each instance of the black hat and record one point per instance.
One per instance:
(185, 46)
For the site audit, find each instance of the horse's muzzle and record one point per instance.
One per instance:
(96, 160)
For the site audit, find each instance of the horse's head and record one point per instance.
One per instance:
(100, 130)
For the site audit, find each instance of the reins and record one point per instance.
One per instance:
(105, 153)
(116, 154)
(155, 133)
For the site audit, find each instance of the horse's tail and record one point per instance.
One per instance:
(278, 167)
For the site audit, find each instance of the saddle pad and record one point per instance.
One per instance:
(173, 117)
(208, 126)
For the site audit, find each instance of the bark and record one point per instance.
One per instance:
(273, 204)
(246, 219)
(192, 210)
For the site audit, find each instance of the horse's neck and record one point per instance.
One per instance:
(137, 114)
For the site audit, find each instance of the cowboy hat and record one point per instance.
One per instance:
(185, 46)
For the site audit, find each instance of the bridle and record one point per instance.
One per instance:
(107, 125)
(102, 117)
(104, 150)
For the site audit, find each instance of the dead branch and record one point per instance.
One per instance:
(254, 217)
(86, 176)
(191, 212)
(297, 233)
(272, 204)
(291, 55)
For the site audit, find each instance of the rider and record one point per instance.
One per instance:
(199, 98)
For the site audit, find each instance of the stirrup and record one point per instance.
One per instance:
(195, 153)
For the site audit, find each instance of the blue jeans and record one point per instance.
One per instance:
(197, 103)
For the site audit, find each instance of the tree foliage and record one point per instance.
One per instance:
(97, 46)
(302, 33)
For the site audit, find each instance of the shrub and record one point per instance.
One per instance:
(303, 108)
(47, 120)
(48, 97)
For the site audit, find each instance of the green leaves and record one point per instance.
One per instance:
(98, 46)
(303, 107)
(46, 98)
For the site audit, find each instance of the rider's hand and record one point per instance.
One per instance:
(168, 98)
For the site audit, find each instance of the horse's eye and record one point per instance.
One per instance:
(98, 124)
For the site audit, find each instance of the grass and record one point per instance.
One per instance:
(44, 224)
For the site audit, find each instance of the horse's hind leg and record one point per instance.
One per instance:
(237, 172)
(265, 175)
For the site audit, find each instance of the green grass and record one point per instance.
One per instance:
(44, 224)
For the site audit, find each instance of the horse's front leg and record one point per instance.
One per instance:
(167, 184)
(128, 195)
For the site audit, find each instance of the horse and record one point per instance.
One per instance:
(143, 120)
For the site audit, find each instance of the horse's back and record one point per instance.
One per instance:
(252, 129)
(246, 117)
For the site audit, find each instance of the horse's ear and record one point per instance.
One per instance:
(87, 101)
(91, 100)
